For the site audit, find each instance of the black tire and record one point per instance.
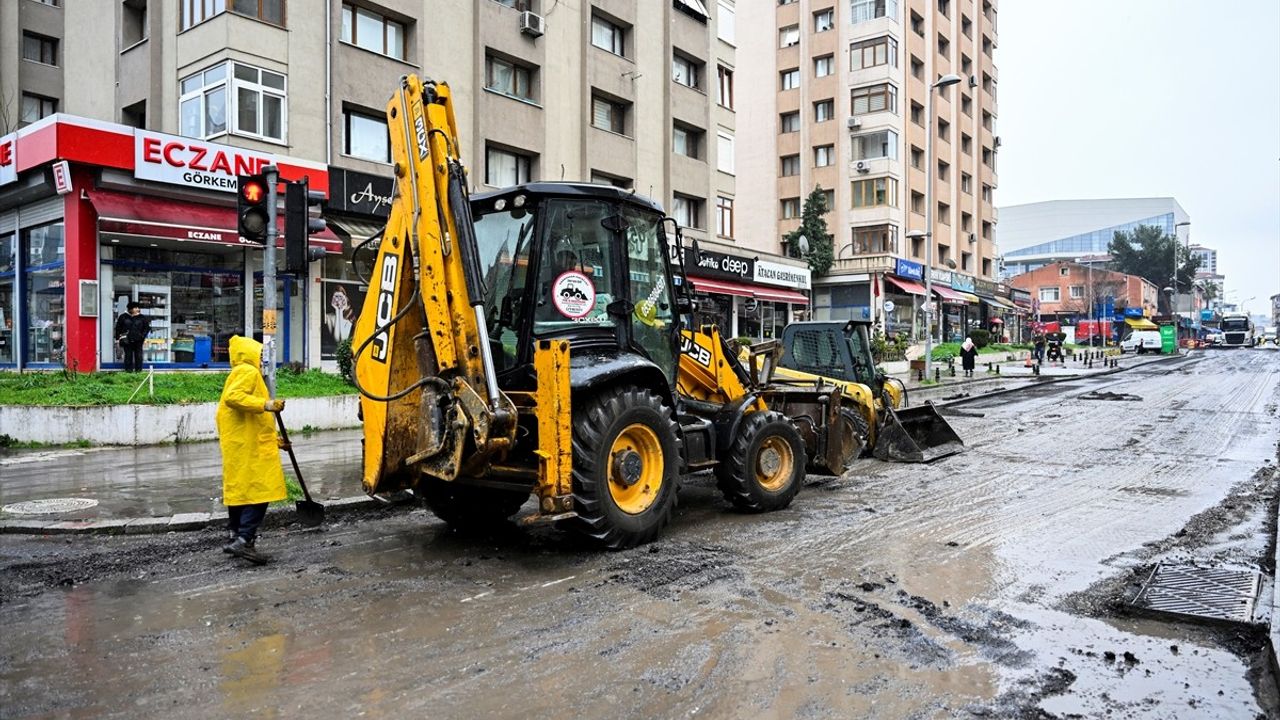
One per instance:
(753, 481)
(469, 507)
(622, 435)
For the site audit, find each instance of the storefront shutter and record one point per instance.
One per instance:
(39, 213)
(8, 222)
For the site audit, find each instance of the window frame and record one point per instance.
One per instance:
(347, 114)
(887, 90)
(789, 208)
(523, 165)
(861, 11)
(784, 75)
(828, 62)
(830, 15)
(724, 86)
(42, 101)
(694, 139)
(353, 40)
(724, 216)
(202, 93)
(819, 151)
(44, 42)
(872, 46)
(725, 161)
(782, 122)
(786, 160)
(874, 239)
(726, 11)
(692, 207)
(617, 110)
(858, 144)
(692, 66)
(788, 36)
(617, 33)
(237, 84)
(873, 192)
(1057, 294)
(517, 68)
(829, 104)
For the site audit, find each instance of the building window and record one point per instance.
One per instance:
(38, 48)
(789, 36)
(687, 211)
(987, 121)
(829, 197)
(944, 7)
(966, 26)
(824, 155)
(686, 141)
(203, 106)
(724, 95)
(608, 36)
(874, 98)
(944, 130)
(724, 217)
(966, 65)
(600, 178)
(881, 144)
(874, 239)
(133, 22)
(944, 46)
(271, 11)
(365, 136)
(790, 79)
(865, 10)
(917, 202)
(966, 183)
(790, 165)
(870, 53)
(874, 192)
(987, 157)
(824, 66)
(725, 23)
(1049, 294)
(944, 171)
(944, 213)
(790, 208)
(1077, 292)
(917, 68)
(373, 32)
(966, 105)
(917, 114)
(260, 102)
(789, 122)
(35, 107)
(986, 230)
(966, 222)
(724, 151)
(917, 158)
(195, 12)
(686, 71)
(824, 110)
(986, 193)
(507, 78)
(966, 144)
(503, 168)
(608, 115)
(824, 20)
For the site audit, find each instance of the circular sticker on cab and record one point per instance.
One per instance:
(573, 294)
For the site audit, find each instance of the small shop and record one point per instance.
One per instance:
(904, 295)
(94, 216)
(747, 296)
(994, 309)
(357, 209)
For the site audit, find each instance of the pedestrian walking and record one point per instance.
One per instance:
(251, 473)
(968, 356)
(132, 328)
(1038, 344)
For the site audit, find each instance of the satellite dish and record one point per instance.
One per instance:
(802, 242)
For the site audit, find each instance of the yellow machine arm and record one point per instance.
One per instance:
(429, 397)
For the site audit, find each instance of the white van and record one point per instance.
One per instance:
(1141, 341)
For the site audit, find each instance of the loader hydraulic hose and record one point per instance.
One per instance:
(355, 360)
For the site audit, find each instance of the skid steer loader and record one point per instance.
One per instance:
(530, 341)
(840, 352)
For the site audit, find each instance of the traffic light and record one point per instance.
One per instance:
(299, 225)
(251, 207)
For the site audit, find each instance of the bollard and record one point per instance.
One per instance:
(1090, 365)
(997, 368)
(953, 369)
(937, 374)
(920, 375)
(1035, 369)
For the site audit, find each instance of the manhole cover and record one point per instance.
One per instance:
(1214, 593)
(49, 507)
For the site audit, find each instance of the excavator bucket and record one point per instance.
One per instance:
(917, 434)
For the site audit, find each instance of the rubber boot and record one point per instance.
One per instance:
(245, 550)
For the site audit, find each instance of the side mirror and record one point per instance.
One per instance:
(506, 312)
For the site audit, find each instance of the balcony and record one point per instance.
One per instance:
(864, 264)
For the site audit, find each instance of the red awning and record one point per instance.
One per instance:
(152, 216)
(950, 296)
(906, 285)
(759, 292)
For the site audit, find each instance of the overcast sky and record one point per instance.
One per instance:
(1150, 98)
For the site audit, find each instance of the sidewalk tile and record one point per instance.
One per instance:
(147, 525)
(189, 521)
(34, 527)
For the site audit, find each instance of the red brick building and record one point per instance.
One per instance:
(1062, 290)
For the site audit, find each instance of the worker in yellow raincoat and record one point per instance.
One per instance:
(251, 472)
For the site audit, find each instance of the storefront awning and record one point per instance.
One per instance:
(998, 303)
(357, 231)
(1141, 324)
(759, 292)
(151, 216)
(906, 285)
(969, 297)
(951, 296)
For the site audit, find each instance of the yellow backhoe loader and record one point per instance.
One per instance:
(531, 341)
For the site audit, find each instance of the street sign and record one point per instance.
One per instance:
(888, 306)
(927, 306)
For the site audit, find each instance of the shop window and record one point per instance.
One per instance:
(8, 306)
(371, 31)
(44, 278)
(365, 136)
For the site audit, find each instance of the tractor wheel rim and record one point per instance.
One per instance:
(634, 489)
(775, 464)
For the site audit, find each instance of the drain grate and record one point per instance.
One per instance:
(51, 506)
(1200, 592)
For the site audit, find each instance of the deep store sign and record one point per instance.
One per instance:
(184, 161)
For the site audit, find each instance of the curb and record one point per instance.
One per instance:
(182, 522)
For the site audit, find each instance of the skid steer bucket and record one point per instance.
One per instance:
(917, 434)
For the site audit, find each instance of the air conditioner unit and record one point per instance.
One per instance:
(532, 24)
(853, 123)
(862, 166)
(973, 81)
(996, 142)
(972, 238)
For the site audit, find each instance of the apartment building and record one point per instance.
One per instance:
(844, 93)
(123, 124)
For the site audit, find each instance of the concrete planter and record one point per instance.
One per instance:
(157, 424)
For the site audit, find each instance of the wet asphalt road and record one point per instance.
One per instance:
(985, 585)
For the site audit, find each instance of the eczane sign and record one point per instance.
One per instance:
(8, 158)
(193, 163)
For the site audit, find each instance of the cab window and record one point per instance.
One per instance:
(576, 274)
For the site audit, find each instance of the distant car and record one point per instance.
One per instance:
(1270, 335)
(1213, 339)
(1140, 341)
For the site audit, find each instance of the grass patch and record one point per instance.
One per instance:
(8, 442)
(294, 490)
(948, 350)
(171, 388)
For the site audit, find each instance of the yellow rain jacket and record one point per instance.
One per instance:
(251, 471)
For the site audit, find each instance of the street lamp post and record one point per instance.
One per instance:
(942, 82)
(1174, 310)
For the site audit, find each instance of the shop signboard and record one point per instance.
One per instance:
(772, 273)
(341, 302)
(712, 264)
(1206, 315)
(1133, 312)
(8, 158)
(1021, 297)
(963, 283)
(942, 277)
(359, 193)
(985, 287)
(909, 270)
(193, 163)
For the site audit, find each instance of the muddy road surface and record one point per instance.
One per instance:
(989, 584)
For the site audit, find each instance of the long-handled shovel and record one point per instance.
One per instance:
(310, 512)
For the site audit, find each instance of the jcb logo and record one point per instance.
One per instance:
(386, 305)
(696, 352)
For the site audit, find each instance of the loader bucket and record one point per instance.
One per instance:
(917, 434)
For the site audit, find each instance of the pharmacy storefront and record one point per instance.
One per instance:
(94, 216)
(751, 296)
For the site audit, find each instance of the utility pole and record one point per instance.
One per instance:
(269, 283)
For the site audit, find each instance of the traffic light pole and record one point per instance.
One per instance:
(269, 284)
